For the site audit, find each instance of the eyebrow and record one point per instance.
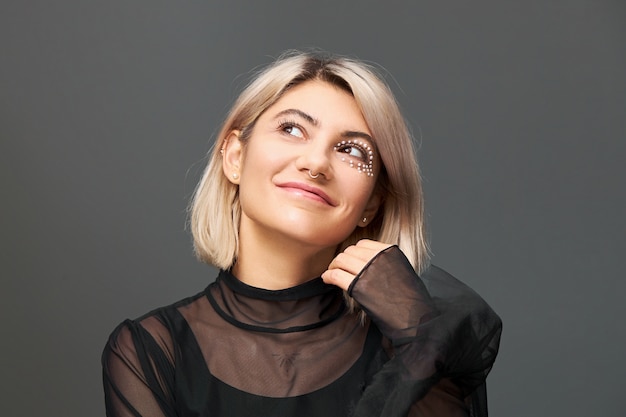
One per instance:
(349, 134)
(356, 134)
(300, 113)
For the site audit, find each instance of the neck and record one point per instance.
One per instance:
(274, 262)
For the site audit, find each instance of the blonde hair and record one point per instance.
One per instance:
(215, 210)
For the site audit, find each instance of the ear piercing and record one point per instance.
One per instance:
(364, 220)
(235, 175)
(313, 176)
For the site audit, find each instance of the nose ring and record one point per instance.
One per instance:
(313, 176)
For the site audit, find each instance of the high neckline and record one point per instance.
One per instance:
(307, 289)
(303, 307)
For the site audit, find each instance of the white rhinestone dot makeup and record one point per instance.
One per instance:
(366, 164)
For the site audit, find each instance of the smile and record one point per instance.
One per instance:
(307, 191)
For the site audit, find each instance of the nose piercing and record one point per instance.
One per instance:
(313, 176)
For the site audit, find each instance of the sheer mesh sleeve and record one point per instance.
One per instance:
(438, 328)
(138, 371)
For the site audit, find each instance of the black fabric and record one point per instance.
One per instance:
(438, 327)
(425, 349)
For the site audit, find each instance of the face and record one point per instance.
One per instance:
(308, 171)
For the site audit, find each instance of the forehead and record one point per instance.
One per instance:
(328, 104)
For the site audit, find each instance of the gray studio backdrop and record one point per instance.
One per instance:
(108, 108)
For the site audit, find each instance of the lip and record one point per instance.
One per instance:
(307, 189)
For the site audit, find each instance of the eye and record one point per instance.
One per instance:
(353, 150)
(357, 154)
(291, 129)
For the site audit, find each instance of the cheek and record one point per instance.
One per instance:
(359, 193)
(262, 157)
(362, 195)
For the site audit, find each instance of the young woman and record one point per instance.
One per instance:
(325, 304)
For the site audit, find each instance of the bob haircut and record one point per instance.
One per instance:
(215, 210)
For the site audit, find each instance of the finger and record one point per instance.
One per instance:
(349, 263)
(373, 244)
(338, 277)
(345, 266)
(355, 257)
(364, 254)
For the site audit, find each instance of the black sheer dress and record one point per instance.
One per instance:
(233, 350)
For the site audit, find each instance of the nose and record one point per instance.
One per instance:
(315, 159)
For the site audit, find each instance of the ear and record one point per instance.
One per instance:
(232, 156)
(371, 208)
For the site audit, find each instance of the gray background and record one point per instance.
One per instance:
(107, 110)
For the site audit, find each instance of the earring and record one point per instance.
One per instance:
(364, 220)
(235, 175)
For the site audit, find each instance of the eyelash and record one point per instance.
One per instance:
(341, 147)
(366, 163)
(283, 124)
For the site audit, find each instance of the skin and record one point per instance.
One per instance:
(291, 224)
(345, 266)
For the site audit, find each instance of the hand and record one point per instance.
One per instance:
(347, 265)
